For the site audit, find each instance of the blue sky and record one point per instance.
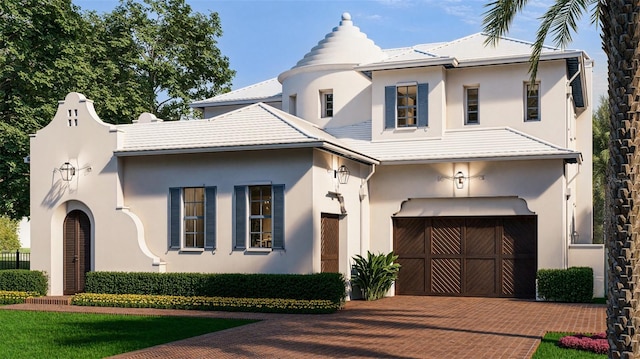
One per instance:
(264, 38)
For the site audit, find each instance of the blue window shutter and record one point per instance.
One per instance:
(210, 217)
(240, 220)
(423, 105)
(389, 107)
(174, 217)
(278, 216)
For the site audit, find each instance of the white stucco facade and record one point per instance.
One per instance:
(128, 178)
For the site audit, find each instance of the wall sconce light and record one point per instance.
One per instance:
(67, 171)
(459, 179)
(342, 174)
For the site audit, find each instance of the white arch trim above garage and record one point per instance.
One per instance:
(474, 206)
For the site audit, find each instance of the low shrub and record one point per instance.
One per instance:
(321, 286)
(375, 274)
(265, 305)
(573, 285)
(23, 281)
(15, 297)
(596, 343)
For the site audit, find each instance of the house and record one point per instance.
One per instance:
(444, 153)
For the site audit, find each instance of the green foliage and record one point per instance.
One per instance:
(262, 305)
(321, 286)
(600, 162)
(9, 240)
(574, 285)
(375, 274)
(124, 60)
(31, 334)
(16, 297)
(549, 349)
(23, 280)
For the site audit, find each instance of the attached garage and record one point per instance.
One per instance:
(486, 256)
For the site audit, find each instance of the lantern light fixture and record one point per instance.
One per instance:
(67, 171)
(342, 173)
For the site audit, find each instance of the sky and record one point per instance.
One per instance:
(265, 38)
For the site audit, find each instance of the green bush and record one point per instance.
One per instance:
(263, 305)
(375, 274)
(23, 280)
(321, 286)
(574, 285)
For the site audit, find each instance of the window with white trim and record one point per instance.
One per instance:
(258, 217)
(192, 217)
(326, 100)
(531, 102)
(406, 106)
(472, 105)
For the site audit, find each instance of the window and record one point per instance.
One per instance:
(192, 215)
(293, 107)
(259, 217)
(472, 105)
(326, 99)
(406, 106)
(532, 102)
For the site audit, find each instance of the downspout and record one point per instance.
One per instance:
(362, 196)
(569, 139)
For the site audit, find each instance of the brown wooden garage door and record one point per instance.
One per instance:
(466, 256)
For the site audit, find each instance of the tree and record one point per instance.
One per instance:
(155, 56)
(600, 125)
(165, 56)
(9, 234)
(620, 27)
(43, 56)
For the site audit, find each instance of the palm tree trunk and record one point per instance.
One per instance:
(620, 35)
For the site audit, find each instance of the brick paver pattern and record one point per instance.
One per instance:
(397, 327)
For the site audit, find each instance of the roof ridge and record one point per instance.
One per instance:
(533, 138)
(287, 121)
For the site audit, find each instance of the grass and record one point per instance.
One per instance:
(27, 334)
(549, 349)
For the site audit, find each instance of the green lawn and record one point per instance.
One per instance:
(27, 334)
(549, 349)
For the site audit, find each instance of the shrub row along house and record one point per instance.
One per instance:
(442, 152)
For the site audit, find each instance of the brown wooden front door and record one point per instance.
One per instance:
(467, 256)
(77, 251)
(330, 243)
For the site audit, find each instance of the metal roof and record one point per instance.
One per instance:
(257, 126)
(455, 145)
(265, 91)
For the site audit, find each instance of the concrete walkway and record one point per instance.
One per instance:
(398, 327)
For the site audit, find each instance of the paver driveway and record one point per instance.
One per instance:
(398, 327)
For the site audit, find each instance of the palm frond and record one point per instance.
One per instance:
(562, 20)
(499, 16)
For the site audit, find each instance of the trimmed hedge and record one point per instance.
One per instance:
(574, 285)
(23, 280)
(321, 286)
(263, 305)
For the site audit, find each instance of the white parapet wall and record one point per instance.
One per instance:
(590, 255)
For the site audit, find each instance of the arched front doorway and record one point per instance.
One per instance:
(77, 251)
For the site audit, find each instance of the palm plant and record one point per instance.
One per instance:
(375, 274)
(620, 25)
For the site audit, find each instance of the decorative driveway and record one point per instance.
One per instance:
(397, 327)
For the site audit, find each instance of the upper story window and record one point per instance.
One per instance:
(406, 106)
(472, 105)
(326, 99)
(192, 218)
(293, 104)
(532, 102)
(259, 217)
